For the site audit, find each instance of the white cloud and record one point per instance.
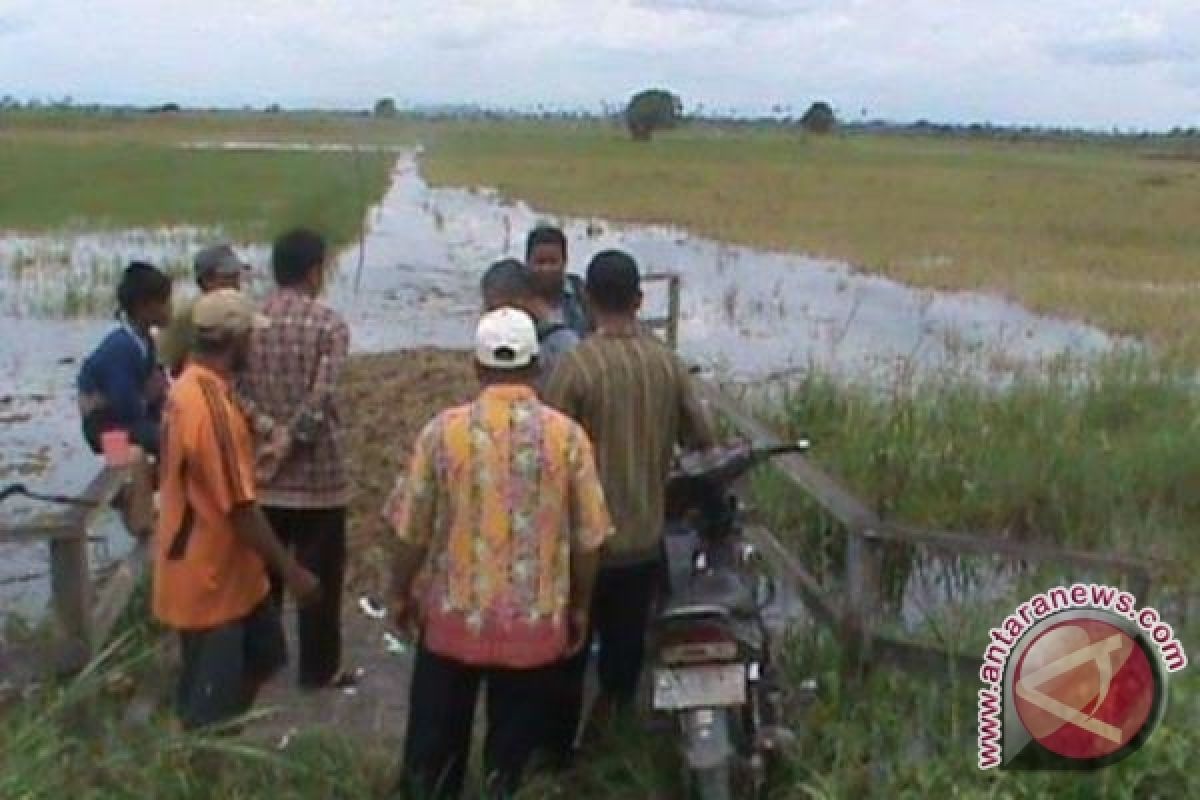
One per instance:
(1064, 62)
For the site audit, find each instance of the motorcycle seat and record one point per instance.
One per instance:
(723, 590)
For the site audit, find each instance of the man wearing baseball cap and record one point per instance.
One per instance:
(213, 544)
(216, 267)
(502, 507)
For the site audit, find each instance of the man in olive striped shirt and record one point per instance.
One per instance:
(635, 399)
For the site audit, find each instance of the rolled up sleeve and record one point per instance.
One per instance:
(412, 507)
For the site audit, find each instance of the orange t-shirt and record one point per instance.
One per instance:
(204, 574)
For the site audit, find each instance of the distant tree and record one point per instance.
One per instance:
(819, 118)
(274, 108)
(385, 107)
(652, 110)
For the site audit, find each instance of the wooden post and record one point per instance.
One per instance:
(137, 506)
(862, 599)
(71, 583)
(673, 311)
(1140, 586)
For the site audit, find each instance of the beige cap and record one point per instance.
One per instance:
(227, 311)
(506, 339)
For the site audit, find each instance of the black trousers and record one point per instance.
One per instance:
(441, 715)
(317, 537)
(621, 606)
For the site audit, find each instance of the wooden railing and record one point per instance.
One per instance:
(84, 615)
(669, 323)
(856, 613)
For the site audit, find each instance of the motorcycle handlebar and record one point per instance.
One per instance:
(798, 446)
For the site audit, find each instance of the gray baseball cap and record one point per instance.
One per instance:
(218, 260)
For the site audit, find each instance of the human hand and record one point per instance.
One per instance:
(578, 627)
(156, 386)
(303, 585)
(404, 616)
(272, 453)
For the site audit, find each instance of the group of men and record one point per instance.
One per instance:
(533, 516)
(527, 526)
(237, 406)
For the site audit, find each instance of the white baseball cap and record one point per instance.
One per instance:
(506, 339)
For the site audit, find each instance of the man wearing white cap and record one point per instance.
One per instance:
(213, 544)
(503, 507)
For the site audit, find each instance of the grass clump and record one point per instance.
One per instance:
(74, 740)
(915, 736)
(52, 185)
(1105, 460)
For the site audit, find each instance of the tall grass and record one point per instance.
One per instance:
(1105, 460)
(914, 736)
(253, 195)
(74, 740)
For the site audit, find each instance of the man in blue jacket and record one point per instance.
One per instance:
(121, 386)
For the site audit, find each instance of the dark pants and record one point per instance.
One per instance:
(441, 715)
(620, 613)
(224, 667)
(317, 537)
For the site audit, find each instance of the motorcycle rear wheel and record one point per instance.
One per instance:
(710, 784)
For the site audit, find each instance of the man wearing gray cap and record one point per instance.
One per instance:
(215, 267)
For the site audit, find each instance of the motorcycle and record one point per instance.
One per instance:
(711, 651)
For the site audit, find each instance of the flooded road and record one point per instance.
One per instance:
(413, 281)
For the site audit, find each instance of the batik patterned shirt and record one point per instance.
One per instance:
(500, 492)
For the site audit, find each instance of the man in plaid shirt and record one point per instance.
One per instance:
(289, 390)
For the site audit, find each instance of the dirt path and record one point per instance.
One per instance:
(387, 399)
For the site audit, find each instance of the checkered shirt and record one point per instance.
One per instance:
(292, 378)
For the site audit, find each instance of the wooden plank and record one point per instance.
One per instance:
(837, 501)
(922, 659)
(98, 496)
(999, 545)
(114, 596)
(811, 593)
(883, 650)
(38, 532)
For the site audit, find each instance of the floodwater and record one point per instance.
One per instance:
(413, 281)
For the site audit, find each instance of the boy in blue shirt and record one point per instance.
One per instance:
(121, 386)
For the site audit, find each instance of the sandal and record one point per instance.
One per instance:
(342, 680)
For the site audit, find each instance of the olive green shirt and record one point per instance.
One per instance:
(635, 399)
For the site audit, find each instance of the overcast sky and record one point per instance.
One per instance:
(1097, 63)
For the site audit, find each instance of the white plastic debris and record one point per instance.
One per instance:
(371, 608)
(287, 738)
(393, 644)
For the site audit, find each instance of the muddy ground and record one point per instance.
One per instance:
(387, 399)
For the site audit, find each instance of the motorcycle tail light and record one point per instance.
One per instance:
(697, 644)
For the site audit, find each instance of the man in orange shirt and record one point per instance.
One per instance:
(213, 544)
